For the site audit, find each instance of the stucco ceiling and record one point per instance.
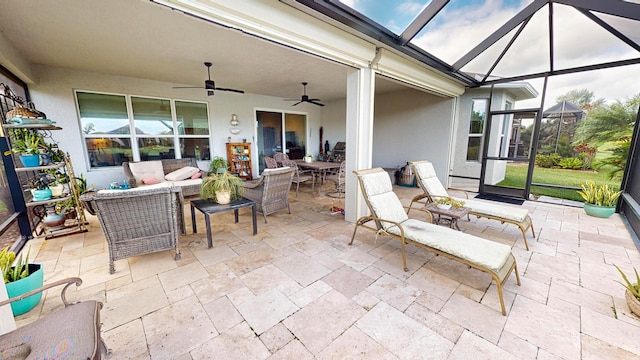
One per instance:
(146, 40)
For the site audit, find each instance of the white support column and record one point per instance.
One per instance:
(360, 96)
(7, 321)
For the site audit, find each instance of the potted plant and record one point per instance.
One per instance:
(448, 202)
(27, 144)
(218, 165)
(632, 294)
(600, 201)
(21, 277)
(39, 185)
(221, 187)
(308, 158)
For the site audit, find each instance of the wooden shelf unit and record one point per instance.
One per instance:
(239, 159)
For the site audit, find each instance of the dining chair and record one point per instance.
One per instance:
(300, 176)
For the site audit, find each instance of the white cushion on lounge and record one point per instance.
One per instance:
(146, 169)
(432, 184)
(496, 210)
(181, 174)
(486, 253)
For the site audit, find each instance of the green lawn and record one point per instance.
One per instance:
(516, 176)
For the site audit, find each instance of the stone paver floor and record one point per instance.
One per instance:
(297, 290)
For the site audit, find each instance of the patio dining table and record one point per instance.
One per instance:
(319, 167)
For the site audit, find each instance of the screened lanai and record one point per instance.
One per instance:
(551, 44)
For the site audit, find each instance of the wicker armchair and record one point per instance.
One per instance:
(271, 191)
(139, 221)
(270, 162)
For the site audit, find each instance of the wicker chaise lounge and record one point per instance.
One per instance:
(389, 218)
(433, 189)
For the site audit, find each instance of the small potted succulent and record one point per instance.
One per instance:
(39, 186)
(27, 144)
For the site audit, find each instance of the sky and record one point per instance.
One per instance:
(578, 41)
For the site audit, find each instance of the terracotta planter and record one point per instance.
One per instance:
(19, 287)
(633, 302)
(599, 211)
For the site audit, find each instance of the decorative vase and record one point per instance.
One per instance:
(444, 206)
(30, 160)
(599, 211)
(19, 287)
(53, 221)
(41, 195)
(633, 302)
(223, 197)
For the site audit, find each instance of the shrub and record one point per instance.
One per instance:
(571, 163)
(548, 161)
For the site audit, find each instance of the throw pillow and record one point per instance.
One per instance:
(150, 181)
(196, 175)
(181, 174)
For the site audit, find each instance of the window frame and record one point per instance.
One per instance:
(132, 136)
(474, 135)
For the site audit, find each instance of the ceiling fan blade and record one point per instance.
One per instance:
(232, 90)
(314, 100)
(315, 103)
(296, 103)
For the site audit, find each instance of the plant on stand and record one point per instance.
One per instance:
(218, 165)
(448, 202)
(600, 201)
(21, 277)
(27, 144)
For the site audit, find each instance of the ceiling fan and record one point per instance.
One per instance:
(209, 84)
(305, 97)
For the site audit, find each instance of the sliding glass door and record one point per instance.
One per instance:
(280, 132)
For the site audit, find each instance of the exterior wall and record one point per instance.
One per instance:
(54, 95)
(412, 125)
(460, 165)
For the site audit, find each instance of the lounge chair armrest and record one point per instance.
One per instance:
(420, 209)
(67, 281)
(252, 184)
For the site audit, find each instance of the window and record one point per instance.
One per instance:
(118, 128)
(476, 128)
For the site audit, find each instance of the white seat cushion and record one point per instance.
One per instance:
(182, 173)
(476, 250)
(496, 210)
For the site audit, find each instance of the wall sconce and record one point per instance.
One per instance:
(234, 122)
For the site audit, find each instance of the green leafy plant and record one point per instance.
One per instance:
(26, 142)
(12, 272)
(601, 195)
(39, 182)
(224, 181)
(450, 201)
(633, 288)
(218, 164)
(571, 163)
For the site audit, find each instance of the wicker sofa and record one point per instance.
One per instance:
(135, 172)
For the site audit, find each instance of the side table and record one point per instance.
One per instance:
(208, 207)
(452, 215)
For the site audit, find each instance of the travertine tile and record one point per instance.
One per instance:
(293, 350)
(556, 331)
(223, 314)
(266, 310)
(151, 264)
(394, 292)
(301, 268)
(308, 294)
(319, 323)
(480, 319)
(348, 281)
(615, 332)
(436, 322)
(277, 337)
(403, 336)
(471, 346)
(181, 276)
(132, 306)
(127, 341)
(177, 329)
(237, 343)
(355, 344)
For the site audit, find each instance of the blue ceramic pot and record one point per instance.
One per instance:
(30, 160)
(17, 288)
(41, 195)
(599, 211)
